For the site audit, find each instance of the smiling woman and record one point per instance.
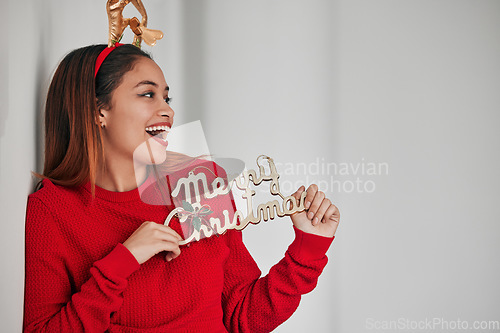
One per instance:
(99, 259)
(74, 97)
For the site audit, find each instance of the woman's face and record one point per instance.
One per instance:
(139, 116)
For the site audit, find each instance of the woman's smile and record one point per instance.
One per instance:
(159, 132)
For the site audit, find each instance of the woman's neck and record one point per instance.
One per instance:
(120, 176)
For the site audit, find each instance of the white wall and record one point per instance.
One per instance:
(17, 159)
(419, 84)
(411, 85)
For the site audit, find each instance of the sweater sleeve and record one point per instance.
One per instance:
(50, 303)
(259, 304)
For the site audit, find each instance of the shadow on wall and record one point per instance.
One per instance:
(194, 51)
(42, 79)
(4, 75)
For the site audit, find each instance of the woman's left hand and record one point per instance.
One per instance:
(321, 217)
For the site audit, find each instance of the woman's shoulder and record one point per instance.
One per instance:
(51, 194)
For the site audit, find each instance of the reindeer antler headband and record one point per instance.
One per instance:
(117, 25)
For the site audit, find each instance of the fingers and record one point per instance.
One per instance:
(314, 207)
(151, 238)
(167, 232)
(332, 213)
(165, 243)
(159, 231)
(319, 208)
(166, 240)
(170, 255)
(324, 206)
(173, 253)
(298, 193)
(311, 192)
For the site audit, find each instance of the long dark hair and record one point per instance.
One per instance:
(73, 138)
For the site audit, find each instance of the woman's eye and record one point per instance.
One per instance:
(152, 94)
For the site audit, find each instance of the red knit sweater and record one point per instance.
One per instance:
(80, 278)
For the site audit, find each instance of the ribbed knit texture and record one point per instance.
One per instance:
(80, 278)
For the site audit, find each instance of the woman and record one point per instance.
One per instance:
(99, 259)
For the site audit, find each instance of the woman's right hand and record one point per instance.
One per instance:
(152, 238)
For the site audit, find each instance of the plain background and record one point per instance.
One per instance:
(411, 84)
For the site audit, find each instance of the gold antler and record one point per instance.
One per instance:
(117, 23)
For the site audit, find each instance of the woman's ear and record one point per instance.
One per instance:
(102, 116)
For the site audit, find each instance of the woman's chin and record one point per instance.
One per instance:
(156, 140)
(151, 152)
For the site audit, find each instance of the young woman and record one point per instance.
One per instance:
(99, 259)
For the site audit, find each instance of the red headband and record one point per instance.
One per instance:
(102, 56)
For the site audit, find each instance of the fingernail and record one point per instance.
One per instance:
(308, 203)
(315, 221)
(310, 215)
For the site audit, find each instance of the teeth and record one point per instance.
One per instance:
(157, 128)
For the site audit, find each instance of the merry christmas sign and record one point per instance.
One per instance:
(205, 206)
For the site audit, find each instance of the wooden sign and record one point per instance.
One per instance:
(200, 215)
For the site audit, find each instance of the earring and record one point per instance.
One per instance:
(102, 125)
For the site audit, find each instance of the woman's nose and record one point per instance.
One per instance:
(166, 111)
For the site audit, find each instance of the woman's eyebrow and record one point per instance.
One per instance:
(151, 83)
